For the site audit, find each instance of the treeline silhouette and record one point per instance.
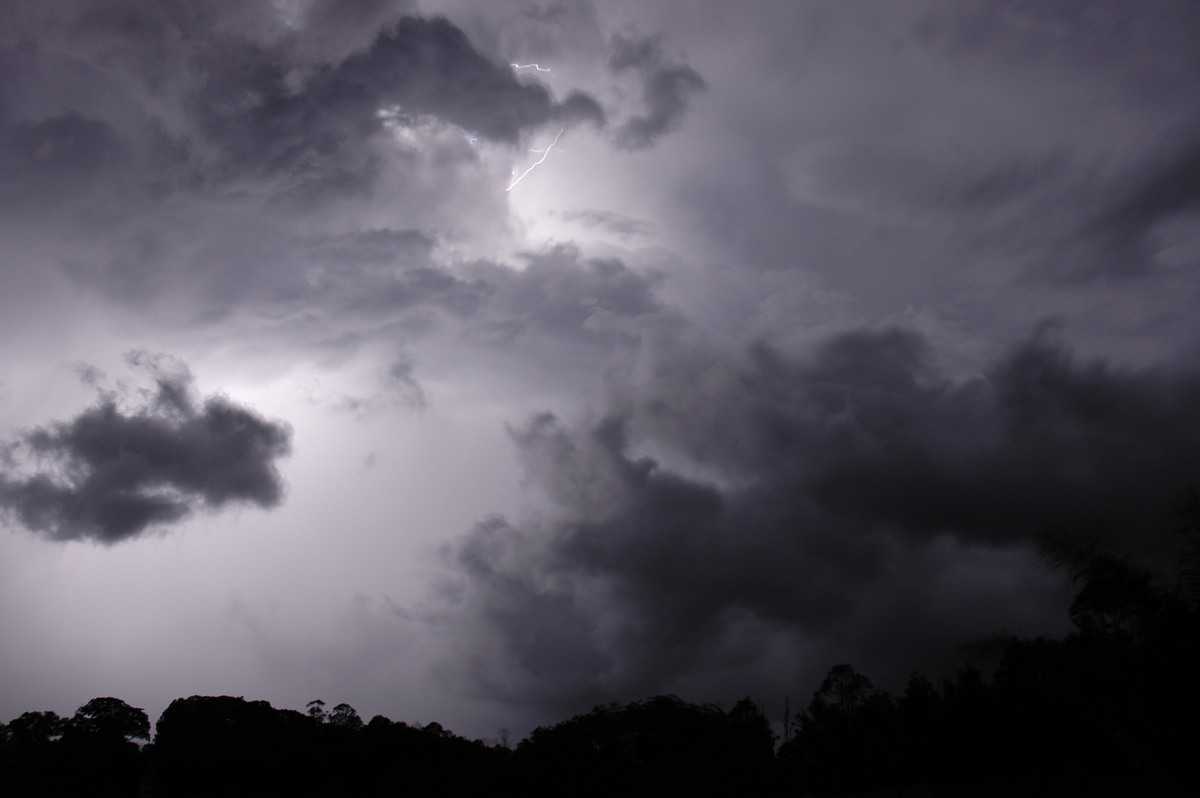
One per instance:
(1111, 709)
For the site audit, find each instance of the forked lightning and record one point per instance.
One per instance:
(545, 154)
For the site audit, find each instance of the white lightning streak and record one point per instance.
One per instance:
(531, 66)
(545, 154)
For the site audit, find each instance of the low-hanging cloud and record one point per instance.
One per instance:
(854, 503)
(113, 472)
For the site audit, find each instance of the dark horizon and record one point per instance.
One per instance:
(1102, 711)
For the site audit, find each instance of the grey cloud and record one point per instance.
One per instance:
(1161, 191)
(52, 158)
(609, 222)
(552, 13)
(200, 161)
(1047, 117)
(667, 90)
(319, 133)
(1043, 441)
(429, 66)
(558, 33)
(379, 246)
(1148, 45)
(561, 295)
(331, 29)
(402, 382)
(398, 387)
(112, 472)
(209, 96)
(548, 319)
(548, 632)
(868, 427)
(851, 503)
(371, 273)
(1172, 187)
(353, 279)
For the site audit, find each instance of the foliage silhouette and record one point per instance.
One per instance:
(662, 745)
(110, 720)
(92, 753)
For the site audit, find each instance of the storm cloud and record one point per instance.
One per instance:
(153, 154)
(852, 500)
(749, 376)
(667, 89)
(115, 471)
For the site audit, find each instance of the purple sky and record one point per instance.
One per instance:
(344, 359)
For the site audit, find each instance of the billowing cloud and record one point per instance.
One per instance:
(852, 502)
(115, 471)
(225, 106)
(667, 89)
(429, 66)
(281, 164)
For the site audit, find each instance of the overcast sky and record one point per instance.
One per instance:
(481, 362)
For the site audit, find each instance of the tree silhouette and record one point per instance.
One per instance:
(751, 737)
(92, 753)
(1189, 550)
(345, 716)
(35, 730)
(316, 710)
(221, 745)
(659, 746)
(846, 734)
(110, 720)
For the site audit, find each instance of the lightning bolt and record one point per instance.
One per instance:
(545, 154)
(531, 66)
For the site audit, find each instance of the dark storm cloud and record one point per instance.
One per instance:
(1041, 442)
(451, 80)
(1165, 189)
(207, 95)
(667, 89)
(207, 161)
(315, 126)
(854, 502)
(1172, 187)
(113, 472)
(344, 25)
